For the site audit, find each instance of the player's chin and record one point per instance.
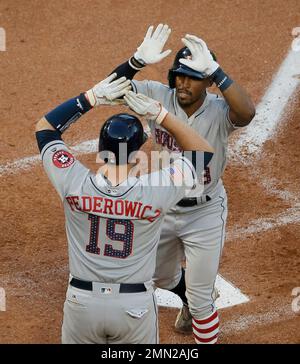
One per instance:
(184, 99)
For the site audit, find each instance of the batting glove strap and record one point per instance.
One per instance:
(91, 97)
(161, 116)
(221, 79)
(135, 64)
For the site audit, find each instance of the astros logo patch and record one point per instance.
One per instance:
(63, 159)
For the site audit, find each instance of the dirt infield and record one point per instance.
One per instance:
(57, 49)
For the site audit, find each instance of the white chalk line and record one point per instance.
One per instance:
(277, 314)
(23, 164)
(269, 111)
(22, 285)
(256, 226)
(290, 216)
(270, 185)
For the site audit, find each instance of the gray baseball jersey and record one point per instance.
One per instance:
(113, 231)
(210, 120)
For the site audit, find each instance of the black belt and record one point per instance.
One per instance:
(192, 201)
(124, 287)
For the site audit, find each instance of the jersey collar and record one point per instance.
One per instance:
(181, 113)
(103, 185)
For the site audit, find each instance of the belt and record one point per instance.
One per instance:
(124, 287)
(192, 201)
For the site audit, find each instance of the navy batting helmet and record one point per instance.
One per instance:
(181, 69)
(121, 129)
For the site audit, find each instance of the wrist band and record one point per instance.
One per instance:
(221, 79)
(162, 114)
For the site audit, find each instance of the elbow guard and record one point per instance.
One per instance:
(44, 137)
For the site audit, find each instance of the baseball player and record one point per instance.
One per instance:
(195, 227)
(113, 218)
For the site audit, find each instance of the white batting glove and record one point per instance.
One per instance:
(150, 51)
(144, 105)
(108, 91)
(202, 60)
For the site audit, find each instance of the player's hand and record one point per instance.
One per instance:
(202, 60)
(144, 105)
(108, 91)
(150, 51)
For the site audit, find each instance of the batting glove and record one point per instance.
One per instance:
(144, 105)
(150, 51)
(202, 60)
(108, 91)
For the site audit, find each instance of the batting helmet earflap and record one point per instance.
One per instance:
(122, 134)
(179, 68)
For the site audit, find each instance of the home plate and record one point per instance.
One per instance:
(229, 296)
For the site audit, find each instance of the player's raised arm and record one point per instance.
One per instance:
(241, 108)
(150, 51)
(106, 92)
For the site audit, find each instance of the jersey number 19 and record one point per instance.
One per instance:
(126, 238)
